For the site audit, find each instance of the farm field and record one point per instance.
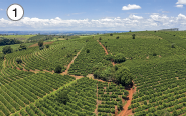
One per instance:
(15, 46)
(101, 75)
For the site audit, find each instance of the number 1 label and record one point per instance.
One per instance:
(15, 12)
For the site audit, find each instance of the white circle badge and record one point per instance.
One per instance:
(15, 12)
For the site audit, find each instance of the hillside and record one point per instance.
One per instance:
(102, 75)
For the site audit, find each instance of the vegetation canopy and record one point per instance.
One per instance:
(7, 49)
(40, 43)
(58, 69)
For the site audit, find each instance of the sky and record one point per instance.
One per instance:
(95, 15)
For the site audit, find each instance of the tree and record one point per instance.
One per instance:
(88, 51)
(47, 46)
(174, 113)
(103, 72)
(124, 76)
(7, 49)
(117, 37)
(100, 38)
(154, 54)
(120, 106)
(130, 31)
(145, 102)
(18, 60)
(40, 48)
(172, 45)
(40, 43)
(111, 34)
(119, 58)
(109, 57)
(133, 36)
(22, 47)
(58, 69)
(62, 97)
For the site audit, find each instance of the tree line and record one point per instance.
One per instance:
(5, 41)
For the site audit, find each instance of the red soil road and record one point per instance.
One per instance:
(44, 43)
(125, 111)
(106, 51)
(66, 71)
(103, 47)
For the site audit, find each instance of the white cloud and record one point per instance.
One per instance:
(181, 2)
(181, 16)
(179, 6)
(135, 17)
(1, 9)
(130, 7)
(132, 22)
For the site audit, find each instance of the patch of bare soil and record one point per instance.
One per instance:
(91, 76)
(159, 56)
(33, 71)
(147, 57)
(77, 77)
(116, 110)
(47, 71)
(97, 101)
(125, 110)
(44, 43)
(4, 63)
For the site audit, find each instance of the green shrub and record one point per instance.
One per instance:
(58, 69)
(172, 45)
(40, 48)
(133, 36)
(109, 57)
(62, 97)
(88, 50)
(7, 49)
(154, 54)
(47, 46)
(18, 60)
(40, 43)
(119, 58)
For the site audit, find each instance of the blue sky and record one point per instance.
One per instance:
(96, 15)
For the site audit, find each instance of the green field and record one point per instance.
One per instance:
(15, 46)
(156, 61)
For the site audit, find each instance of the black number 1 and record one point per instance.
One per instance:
(15, 12)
